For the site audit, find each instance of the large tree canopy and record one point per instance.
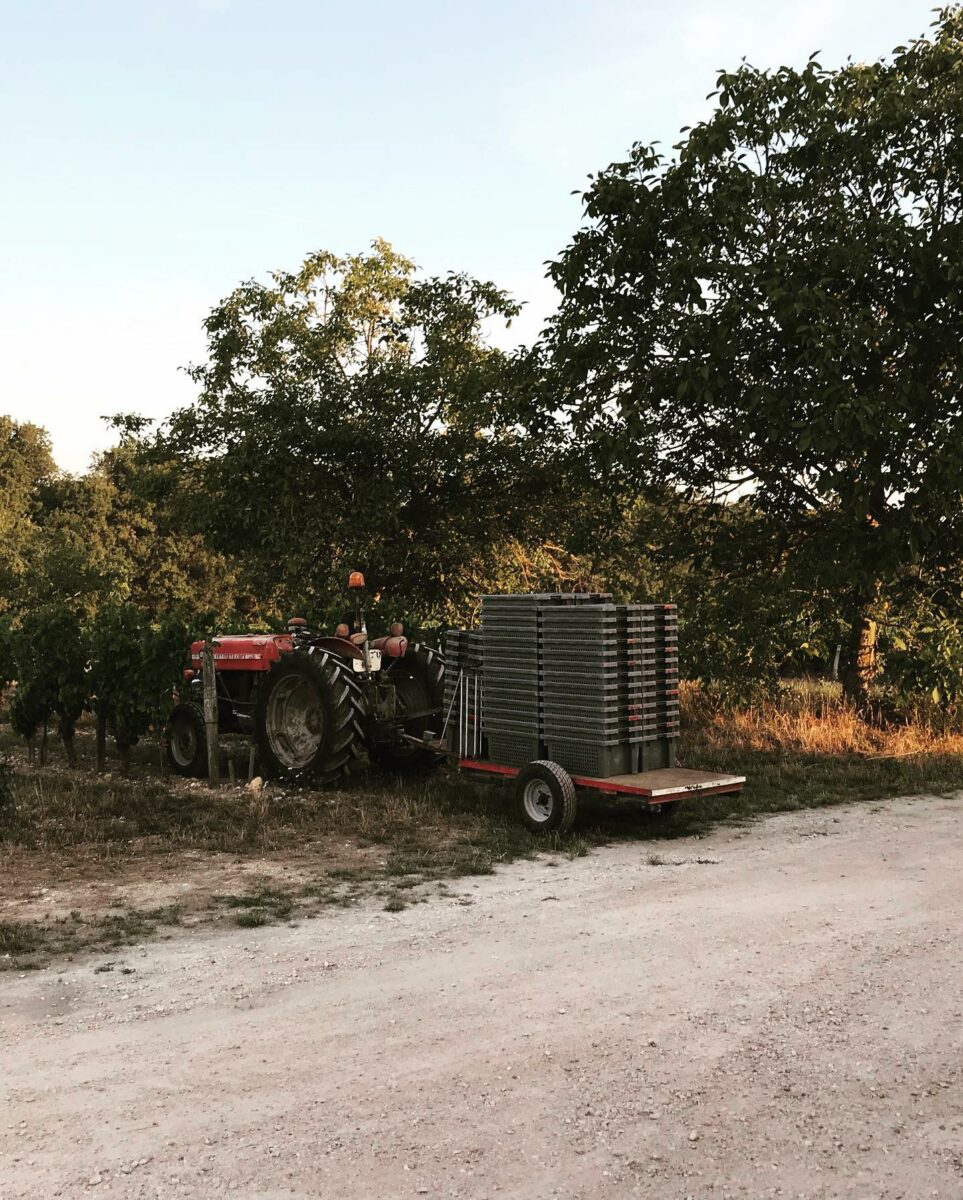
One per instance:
(350, 414)
(774, 311)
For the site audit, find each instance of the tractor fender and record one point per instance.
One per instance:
(339, 646)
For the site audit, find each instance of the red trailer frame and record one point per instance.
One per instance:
(663, 786)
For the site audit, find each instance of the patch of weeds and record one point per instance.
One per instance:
(133, 925)
(250, 918)
(657, 860)
(478, 866)
(395, 904)
(272, 903)
(348, 873)
(19, 937)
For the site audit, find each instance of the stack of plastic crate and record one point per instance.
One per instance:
(591, 689)
(511, 670)
(659, 655)
(510, 627)
(463, 691)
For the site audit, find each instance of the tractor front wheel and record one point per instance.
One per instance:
(307, 719)
(186, 740)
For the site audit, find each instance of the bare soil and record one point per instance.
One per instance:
(768, 1011)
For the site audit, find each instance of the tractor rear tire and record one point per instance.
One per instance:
(419, 680)
(308, 719)
(186, 740)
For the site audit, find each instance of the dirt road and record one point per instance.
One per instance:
(771, 1012)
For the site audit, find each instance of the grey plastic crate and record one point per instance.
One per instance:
(656, 754)
(511, 650)
(594, 759)
(603, 681)
(513, 750)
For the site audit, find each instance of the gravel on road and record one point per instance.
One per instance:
(767, 1011)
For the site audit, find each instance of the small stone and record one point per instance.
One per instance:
(693, 1136)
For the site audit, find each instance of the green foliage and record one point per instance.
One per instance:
(47, 656)
(351, 414)
(925, 655)
(60, 650)
(30, 709)
(774, 312)
(135, 665)
(25, 465)
(33, 701)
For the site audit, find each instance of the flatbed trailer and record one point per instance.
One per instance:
(547, 793)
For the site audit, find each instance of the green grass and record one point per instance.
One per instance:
(33, 943)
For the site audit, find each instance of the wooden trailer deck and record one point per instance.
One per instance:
(655, 787)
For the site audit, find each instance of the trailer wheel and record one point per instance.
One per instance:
(186, 739)
(546, 797)
(662, 812)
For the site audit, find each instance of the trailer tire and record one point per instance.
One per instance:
(546, 797)
(665, 810)
(186, 740)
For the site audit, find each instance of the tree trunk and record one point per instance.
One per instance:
(69, 748)
(43, 746)
(123, 753)
(862, 666)
(101, 743)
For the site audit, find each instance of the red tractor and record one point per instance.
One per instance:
(316, 704)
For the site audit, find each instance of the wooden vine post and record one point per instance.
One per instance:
(210, 712)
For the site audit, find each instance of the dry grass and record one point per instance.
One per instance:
(811, 717)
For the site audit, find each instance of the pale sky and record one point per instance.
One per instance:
(157, 152)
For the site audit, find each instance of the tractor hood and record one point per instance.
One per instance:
(244, 652)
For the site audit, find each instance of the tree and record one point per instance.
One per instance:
(351, 414)
(114, 534)
(26, 465)
(774, 312)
